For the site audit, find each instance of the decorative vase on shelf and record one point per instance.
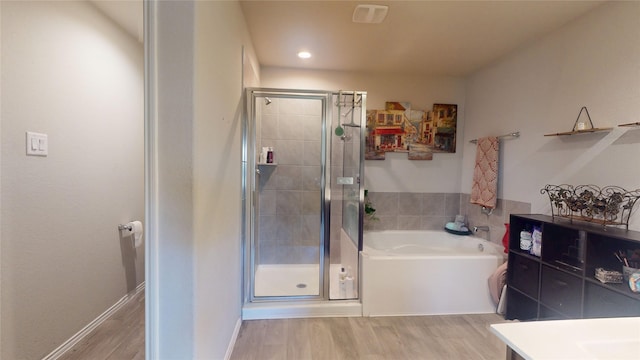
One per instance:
(505, 239)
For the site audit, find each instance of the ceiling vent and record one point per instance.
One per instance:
(370, 14)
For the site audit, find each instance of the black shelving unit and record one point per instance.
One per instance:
(561, 283)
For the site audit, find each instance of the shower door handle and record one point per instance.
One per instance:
(344, 180)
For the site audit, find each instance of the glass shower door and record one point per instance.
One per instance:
(347, 193)
(288, 240)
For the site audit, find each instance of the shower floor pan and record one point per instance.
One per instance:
(283, 280)
(287, 280)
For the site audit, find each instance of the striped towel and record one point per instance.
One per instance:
(484, 190)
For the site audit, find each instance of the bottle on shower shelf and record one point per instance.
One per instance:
(349, 285)
(270, 155)
(342, 277)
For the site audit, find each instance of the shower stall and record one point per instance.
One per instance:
(303, 162)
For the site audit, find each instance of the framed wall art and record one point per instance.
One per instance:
(419, 133)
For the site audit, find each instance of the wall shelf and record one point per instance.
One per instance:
(630, 124)
(577, 132)
(267, 164)
(580, 128)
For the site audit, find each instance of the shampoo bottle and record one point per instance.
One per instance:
(270, 156)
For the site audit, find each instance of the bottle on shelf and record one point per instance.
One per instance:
(525, 240)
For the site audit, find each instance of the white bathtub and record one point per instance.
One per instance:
(426, 273)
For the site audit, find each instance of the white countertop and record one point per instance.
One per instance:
(609, 338)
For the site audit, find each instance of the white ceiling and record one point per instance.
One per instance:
(418, 37)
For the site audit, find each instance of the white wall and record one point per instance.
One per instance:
(396, 173)
(196, 259)
(71, 73)
(594, 62)
(171, 251)
(220, 35)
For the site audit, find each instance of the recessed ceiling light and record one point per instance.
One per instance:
(304, 54)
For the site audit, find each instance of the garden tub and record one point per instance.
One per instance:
(427, 273)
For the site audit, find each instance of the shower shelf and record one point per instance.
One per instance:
(267, 164)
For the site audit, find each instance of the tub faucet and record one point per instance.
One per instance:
(480, 228)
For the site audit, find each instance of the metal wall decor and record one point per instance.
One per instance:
(610, 205)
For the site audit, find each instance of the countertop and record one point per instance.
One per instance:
(608, 338)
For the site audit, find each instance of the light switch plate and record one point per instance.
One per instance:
(37, 144)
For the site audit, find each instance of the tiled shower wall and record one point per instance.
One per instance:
(289, 193)
(431, 211)
(289, 198)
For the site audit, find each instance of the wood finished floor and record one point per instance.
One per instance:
(120, 337)
(416, 337)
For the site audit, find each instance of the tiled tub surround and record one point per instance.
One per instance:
(497, 219)
(412, 211)
(431, 211)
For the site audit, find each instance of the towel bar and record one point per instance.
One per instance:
(514, 134)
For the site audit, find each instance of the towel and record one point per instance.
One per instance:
(484, 191)
(496, 282)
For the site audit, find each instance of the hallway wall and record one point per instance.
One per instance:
(69, 72)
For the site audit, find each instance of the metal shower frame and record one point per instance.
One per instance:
(249, 180)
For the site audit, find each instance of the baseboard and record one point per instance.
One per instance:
(292, 309)
(75, 339)
(234, 337)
